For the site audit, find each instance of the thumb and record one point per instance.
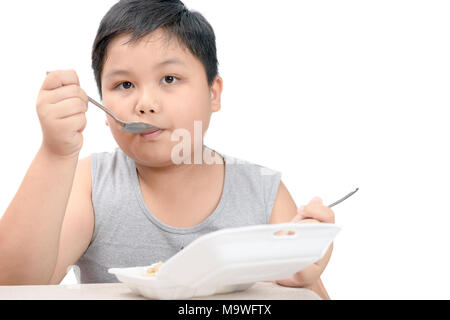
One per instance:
(300, 214)
(317, 200)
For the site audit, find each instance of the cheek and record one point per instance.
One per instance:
(195, 123)
(107, 100)
(186, 114)
(116, 106)
(122, 138)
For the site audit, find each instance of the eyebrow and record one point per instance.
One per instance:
(159, 65)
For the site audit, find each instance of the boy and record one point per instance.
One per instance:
(154, 62)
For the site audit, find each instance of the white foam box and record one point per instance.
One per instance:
(232, 260)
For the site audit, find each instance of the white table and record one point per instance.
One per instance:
(119, 291)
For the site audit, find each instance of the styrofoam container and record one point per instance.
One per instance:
(232, 260)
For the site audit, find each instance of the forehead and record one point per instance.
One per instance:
(148, 50)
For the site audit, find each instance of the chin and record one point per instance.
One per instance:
(150, 155)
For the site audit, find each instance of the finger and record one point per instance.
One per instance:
(301, 211)
(319, 212)
(309, 221)
(297, 218)
(69, 107)
(66, 92)
(83, 123)
(75, 123)
(56, 79)
(316, 200)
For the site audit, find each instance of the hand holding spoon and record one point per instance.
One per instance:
(131, 127)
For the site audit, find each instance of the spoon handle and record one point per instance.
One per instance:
(106, 110)
(347, 196)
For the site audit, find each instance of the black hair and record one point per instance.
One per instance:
(141, 17)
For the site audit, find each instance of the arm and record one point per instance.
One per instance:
(30, 229)
(285, 210)
(38, 248)
(78, 226)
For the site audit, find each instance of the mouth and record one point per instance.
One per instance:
(152, 133)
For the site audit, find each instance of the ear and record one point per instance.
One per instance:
(216, 93)
(106, 122)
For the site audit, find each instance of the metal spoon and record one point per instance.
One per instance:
(347, 196)
(131, 127)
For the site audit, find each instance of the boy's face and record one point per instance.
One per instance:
(169, 96)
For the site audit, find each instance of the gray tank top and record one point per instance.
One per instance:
(127, 234)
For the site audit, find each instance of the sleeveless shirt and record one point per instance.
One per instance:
(127, 234)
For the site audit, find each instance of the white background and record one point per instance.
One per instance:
(334, 94)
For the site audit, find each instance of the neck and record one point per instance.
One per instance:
(171, 176)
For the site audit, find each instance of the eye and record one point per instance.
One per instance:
(126, 85)
(170, 79)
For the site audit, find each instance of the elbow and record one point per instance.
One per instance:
(16, 272)
(19, 279)
(10, 276)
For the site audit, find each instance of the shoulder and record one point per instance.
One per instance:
(284, 207)
(255, 181)
(279, 204)
(104, 163)
(96, 164)
(108, 156)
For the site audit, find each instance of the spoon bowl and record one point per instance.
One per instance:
(131, 127)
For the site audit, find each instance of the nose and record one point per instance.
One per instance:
(148, 105)
(147, 109)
